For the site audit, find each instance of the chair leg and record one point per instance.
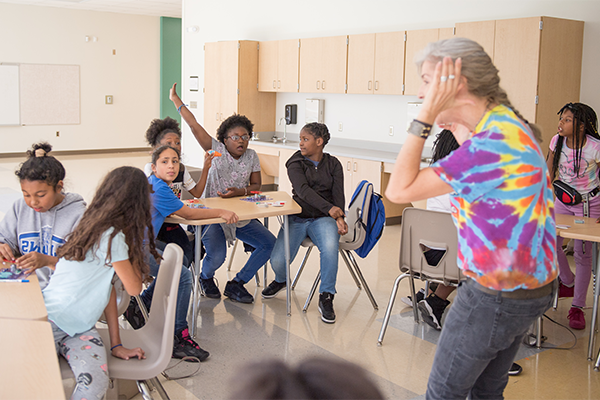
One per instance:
(388, 311)
(144, 390)
(160, 389)
(538, 332)
(257, 279)
(347, 253)
(350, 269)
(414, 297)
(301, 267)
(232, 254)
(312, 292)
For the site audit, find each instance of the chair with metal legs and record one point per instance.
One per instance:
(422, 231)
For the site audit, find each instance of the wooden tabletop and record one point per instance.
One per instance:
(29, 368)
(22, 300)
(244, 209)
(589, 230)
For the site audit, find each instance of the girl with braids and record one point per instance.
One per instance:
(110, 239)
(573, 158)
(38, 224)
(502, 207)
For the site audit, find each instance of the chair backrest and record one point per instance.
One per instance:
(122, 297)
(423, 230)
(357, 209)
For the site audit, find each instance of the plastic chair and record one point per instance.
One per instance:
(156, 337)
(423, 230)
(350, 241)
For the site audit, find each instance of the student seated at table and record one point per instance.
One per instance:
(39, 222)
(318, 187)
(235, 173)
(165, 167)
(108, 240)
(166, 132)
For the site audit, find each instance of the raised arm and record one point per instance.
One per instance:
(112, 320)
(199, 188)
(203, 138)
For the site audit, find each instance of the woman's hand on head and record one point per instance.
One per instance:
(6, 252)
(229, 216)
(445, 84)
(125, 353)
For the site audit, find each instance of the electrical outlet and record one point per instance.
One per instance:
(193, 104)
(57, 133)
(391, 130)
(340, 126)
(108, 99)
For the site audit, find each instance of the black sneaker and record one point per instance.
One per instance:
(326, 307)
(271, 291)
(432, 309)
(420, 295)
(515, 369)
(236, 291)
(134, 315)
(209, 289)
(185, 346)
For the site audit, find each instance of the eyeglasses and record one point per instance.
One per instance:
(235, 138)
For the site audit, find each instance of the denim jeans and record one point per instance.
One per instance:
(183, 293)
(324, 234)
(255, 234)
(478, 344)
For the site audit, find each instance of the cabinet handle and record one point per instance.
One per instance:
(221, 117)
(278, 84)
(369, 85)
(318, 85)
(376, 85)
(354, 167)
(216, 116)
(348, 166)
(273, 84)
(323, 85)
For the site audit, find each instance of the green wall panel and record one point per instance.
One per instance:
(170, 63)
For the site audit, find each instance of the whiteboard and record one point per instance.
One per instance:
(9, 95)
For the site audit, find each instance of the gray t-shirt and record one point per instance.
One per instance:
(226, 171)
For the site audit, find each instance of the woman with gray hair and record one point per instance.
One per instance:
(502, 206)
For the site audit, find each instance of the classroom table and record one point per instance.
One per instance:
(588, 231)
(22, 300)
(245, 210)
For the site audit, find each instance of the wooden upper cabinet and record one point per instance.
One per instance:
(278, 66)
(415, 42)
(323, 64)
(376, 63)
(446, 33)
(483, 32)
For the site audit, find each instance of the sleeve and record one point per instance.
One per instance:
(8, 228)
(148, 169)
(119, 250)
(303, 190)
(553, 141)
(254, 162)
(188, 182)
(165, 202)
(338, 185)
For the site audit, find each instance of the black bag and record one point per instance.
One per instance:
(566, 193)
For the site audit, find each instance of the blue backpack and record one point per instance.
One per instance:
(375, 219)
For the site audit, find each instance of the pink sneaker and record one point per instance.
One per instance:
(576, 318)
(565, 291)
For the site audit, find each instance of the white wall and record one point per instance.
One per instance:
(365, 117)
(48, 35)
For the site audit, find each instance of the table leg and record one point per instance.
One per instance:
(196, 275)
(595, 269)
(265, 266)
(286, 245)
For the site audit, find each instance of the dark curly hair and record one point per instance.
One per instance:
(445, 143)
(40, 166)
(233, 122)
(159, 128)
(318, 131)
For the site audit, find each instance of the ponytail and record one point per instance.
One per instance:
(41, 167)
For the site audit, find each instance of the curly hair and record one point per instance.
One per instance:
(233, 122)
(39, 166)
(445, 143)
(159, 128)
(318, 131)
(114, 205)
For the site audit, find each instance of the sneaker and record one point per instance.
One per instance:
(420, 295)
(236, 291)
(431, 309)
(565, 291)
(515, 369)
(576, 318)
(134, 315)
(271, 291)
(185, 346)
(209, 289)
(326, 307)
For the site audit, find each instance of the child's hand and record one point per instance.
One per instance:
(229, 192)
(6, 252)
(173, 93)
(126, 354)
(342, 226)
(229, 216)
(336, 212)
(34, 260)
(208, 157)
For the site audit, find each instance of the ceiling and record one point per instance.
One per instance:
(157, 8)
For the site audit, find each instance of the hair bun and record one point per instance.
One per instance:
(40, 150)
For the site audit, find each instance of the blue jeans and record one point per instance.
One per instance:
(183, 293)
(478, 344)
(324, 234)
(255, 234)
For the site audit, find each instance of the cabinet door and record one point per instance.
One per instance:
(389, 63)
(334, 58)
(445, 33)
(268, 58)
(288, 61)
(516, 55)
(415, 42)
(212, 98)
(310, 65)
(361, 63)
(284, 182)
(349, 186)
(229, 78)
(483, 32)
(366, 170)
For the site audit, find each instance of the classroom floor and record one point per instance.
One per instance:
(235, 333)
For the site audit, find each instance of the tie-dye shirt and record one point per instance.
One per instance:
(503, 207)
(588, 167)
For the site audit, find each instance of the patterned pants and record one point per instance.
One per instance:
(86, 356)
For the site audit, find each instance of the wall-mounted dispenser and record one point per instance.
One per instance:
(314, 110)
(291, 112)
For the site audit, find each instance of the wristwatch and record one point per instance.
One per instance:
(420, 129)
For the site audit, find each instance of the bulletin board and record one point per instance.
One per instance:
(9, 95)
